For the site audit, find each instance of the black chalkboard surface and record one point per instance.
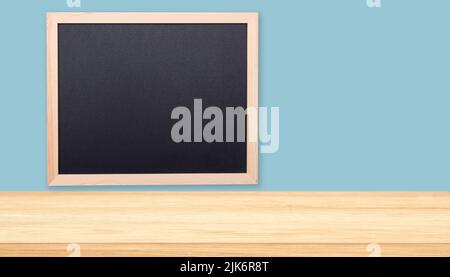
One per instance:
(118, 84)
(145, 98)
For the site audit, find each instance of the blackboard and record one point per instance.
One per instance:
(118, 84)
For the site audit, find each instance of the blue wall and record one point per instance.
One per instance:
(364, 94)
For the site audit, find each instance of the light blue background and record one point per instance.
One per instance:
(364, 93)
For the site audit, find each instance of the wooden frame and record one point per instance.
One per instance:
(56, 179)
(225, 223)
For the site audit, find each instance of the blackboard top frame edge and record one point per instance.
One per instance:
(56, 179)
(152, 17)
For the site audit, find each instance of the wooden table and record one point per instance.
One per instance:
(224, 224)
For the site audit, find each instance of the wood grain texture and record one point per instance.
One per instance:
(52, 99)
(224, 250)
(225, 223)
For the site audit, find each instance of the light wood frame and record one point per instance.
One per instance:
(56, 179)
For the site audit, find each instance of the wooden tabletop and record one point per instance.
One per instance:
(224, 224)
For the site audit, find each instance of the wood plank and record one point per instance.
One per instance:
(223, 250)
(236, 221)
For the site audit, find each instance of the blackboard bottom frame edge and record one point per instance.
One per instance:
(67, 180)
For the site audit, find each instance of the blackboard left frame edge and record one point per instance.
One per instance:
(52, 97)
